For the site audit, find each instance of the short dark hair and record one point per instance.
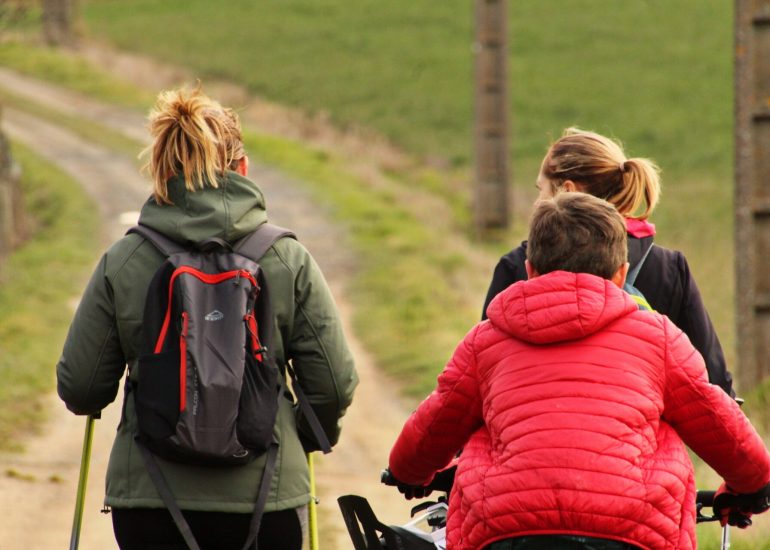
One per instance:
(577, 232)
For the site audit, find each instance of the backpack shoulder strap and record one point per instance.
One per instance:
(167, 497)
(633, 273)
(256, 244)
(161, 485)
(164, 244)
(310, 416)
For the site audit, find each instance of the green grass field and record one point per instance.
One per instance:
(38, 284)
(656, 74)
(653, 72)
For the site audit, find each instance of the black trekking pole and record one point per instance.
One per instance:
(81, 496)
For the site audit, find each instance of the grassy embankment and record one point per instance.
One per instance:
(37, 286)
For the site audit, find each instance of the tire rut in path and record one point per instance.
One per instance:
(37, 512)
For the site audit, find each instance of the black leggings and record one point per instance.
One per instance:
(154, 529)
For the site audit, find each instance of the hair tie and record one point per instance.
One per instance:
(622, 167)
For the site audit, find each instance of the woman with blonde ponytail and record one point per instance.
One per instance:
(195, 135)
(201, 193)
(592, 163)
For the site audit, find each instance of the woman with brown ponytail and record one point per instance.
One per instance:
(198, 168)
(591, 163)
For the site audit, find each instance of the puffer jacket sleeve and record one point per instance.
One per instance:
(319, 352)
(442, 423)
(92, 362)
(708, 420)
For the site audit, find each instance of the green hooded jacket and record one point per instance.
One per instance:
(105, 337)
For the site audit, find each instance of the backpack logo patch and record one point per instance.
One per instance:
(215, 315)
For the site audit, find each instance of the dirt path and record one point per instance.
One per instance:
(37, 488)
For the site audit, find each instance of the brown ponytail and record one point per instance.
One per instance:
(597, 165)
(194, 135)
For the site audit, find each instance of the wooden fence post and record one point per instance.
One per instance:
(752, 190)
(12, 219)
(491, 116)
(58, 22)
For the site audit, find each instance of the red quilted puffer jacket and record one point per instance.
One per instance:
(571, 407)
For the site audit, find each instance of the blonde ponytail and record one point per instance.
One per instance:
(597, 165)
(194, 135)
(640, 185)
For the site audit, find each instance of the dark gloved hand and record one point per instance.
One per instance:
(736, 509)
(444, 479)
(409, 491)
(83, 412)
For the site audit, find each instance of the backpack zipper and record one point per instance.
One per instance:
(253, 330)
(207, 278)
(183, 363)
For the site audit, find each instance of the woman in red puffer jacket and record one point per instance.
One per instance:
(573, 407)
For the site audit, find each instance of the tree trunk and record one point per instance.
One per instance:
(58, 16)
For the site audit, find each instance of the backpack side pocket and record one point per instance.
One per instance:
(258, 406)
(157, 409)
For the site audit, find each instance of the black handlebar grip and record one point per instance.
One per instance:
(705, 498)
(386, 478)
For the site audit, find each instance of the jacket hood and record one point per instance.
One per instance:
(234, 209)
(639, 228)
(558, 306)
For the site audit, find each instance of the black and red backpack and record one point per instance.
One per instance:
(206, 386)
